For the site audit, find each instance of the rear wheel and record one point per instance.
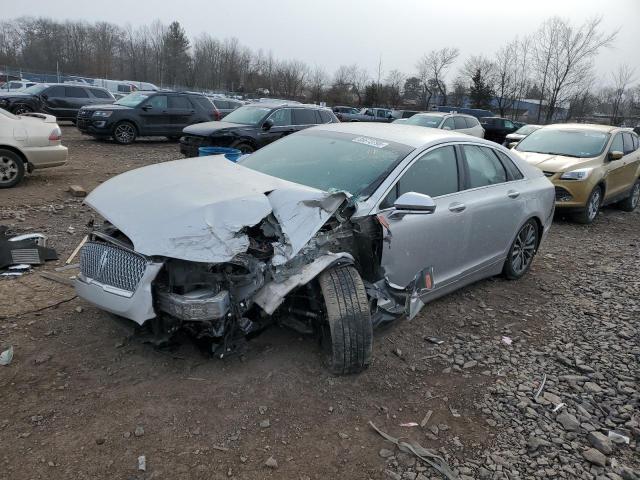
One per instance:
(522, 251)
(630, 203)
(347, 332)
(125, 133)
(21, 108)
(590, 212)
(11, 168)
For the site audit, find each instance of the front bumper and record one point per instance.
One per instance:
(137, 307)
(571, 194)
(45, 157)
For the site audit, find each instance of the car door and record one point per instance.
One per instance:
(304, 118)
(53, 101)
(181, 113)
(616, 172)
(460, 124)
(154, 116)
(494, 205)
(75, 99)
(415, 241)
(100, 97)
(448, 124)
(282, 126)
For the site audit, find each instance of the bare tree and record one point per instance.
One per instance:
(621, 80)
(317, 82)
(394, 82)
(564, 56)
(432, 71)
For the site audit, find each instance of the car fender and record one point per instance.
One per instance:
(272, 294)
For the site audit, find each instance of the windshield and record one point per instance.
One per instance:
(132, 100)
(526, 130)
(35, 89)
(570, 143)
(330, 160)
(247, 115)
(424, 120)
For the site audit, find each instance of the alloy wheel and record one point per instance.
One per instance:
(124, 133)
(8, 169)
(594, 205)
(524, 248)
(20, 109)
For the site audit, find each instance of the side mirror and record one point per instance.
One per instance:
(512, 144)
(147, 107)
(268, 123)
(390, 117)
(615, 155)
(413, 202)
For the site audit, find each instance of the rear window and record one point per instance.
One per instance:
(99, 93)
(221, 104)
(203, 102)
(471, 122)
(75, 92)
(325, 116)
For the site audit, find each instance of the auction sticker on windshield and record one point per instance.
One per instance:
(372, 142)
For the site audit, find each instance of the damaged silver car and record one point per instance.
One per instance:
(330, 231)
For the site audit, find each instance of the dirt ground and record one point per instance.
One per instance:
(81, 384)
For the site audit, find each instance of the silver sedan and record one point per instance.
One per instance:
(330, 231)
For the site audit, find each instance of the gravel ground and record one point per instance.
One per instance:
(84, 397)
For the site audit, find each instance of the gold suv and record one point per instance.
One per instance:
(590, 166)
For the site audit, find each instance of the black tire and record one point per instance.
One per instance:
(630, 203)
(125, 133)
(21, 108)
(245, 148)
(173, 138)
(522, 251)
(11, 168)
(587, 215)
(347, 329)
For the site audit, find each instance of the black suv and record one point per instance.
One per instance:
(253, 126)
(497, 128)
(148, 114)
(60, 99)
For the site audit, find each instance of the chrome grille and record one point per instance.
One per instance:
(112, 265)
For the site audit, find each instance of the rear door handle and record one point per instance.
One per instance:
(457, 207)
(513, 194)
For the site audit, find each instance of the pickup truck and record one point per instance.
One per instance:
(367, 115)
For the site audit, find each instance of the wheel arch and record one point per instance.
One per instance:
(129, 120)
(17, 151)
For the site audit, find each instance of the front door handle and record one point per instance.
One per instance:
(457, 207)
(513, 194)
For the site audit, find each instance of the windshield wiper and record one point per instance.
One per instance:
(561, 154)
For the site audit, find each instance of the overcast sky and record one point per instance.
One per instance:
(334, 32)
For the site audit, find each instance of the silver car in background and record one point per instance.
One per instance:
(330, 231)
(446, 121)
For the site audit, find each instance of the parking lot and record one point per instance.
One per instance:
(84, 397)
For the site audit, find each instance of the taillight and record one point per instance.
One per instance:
(55, 135)
(216, 115)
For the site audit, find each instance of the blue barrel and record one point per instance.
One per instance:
(232, 154)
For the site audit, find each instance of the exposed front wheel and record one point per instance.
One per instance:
(630, 203)
(245, 148)
(347, 332)
(125, 133)
(522, 251)
(22, 108)
(590, 212)
(11, 168)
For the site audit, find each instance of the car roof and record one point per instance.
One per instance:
(290, 105)
(582, 126)
(411, 135)
(443, 114)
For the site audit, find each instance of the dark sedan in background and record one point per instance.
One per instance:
(251, 127)
(59, 99)
(497, 128)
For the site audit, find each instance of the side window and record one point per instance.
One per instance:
(512, 169)
(448, 124)
(434, 174)
(325, 116)
(636, 142)
(628, 143)
(304, 116)
(459, 123)
(124, 88)
(99, 93)
(281, 117)
(484, 167)
(57, 91)
(220, 104)
(369, 112)
(180, 101)
(617, 145)
(509, 124)
(382, 114)
(158, 102)
(471, 122)
(204, 103)
(75, 92)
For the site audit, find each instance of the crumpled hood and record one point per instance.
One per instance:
(195, 209)
(551, 163)
(207, 128)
